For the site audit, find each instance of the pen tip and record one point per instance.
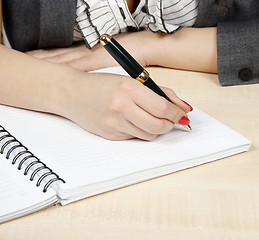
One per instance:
(188, 127)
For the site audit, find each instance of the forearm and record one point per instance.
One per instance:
(0, 21)
(189, 48)
(31, 83)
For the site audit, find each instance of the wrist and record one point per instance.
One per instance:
(141, 45)
(188, 48)
(65, 91)
(149, 47)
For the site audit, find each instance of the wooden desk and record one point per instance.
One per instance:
(219, 200)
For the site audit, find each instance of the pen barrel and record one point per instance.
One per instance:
(152, 85)
(130, 65)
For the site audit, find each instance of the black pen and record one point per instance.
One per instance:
(131, 66)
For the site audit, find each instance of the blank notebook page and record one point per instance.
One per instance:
(82, 158)
(18, 193)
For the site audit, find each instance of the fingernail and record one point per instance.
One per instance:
(184, 120)
(188, 105)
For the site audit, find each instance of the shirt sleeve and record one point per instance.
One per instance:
(238, 52)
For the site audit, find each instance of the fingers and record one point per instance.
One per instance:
(147, 122)
(60, 55)
(126, 119)
(158, 106)
(175, 99)
(139, 133)
(136, 122)
(91, 63)
(43, 53)
(77, 56)
(145, 115)
(123, 129)
(65, 57)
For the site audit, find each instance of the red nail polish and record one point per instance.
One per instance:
(188, 105)
(184, 120)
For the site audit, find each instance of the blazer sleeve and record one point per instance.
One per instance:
(238, 52)
(33, 24)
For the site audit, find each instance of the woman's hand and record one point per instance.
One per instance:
(117, 107)
(80, 57)
(112, 106)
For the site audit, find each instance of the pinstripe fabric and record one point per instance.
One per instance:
(95, 18)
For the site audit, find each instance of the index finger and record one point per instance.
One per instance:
(156, 105)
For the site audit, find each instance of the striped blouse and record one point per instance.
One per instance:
(96, 17)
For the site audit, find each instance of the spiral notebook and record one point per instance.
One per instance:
(47, 159)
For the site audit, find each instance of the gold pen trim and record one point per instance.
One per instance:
(144, 76)
(105, 38)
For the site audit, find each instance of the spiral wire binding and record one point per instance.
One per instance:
(27, 156)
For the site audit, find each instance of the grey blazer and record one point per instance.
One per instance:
(237, 38)
(32, 24)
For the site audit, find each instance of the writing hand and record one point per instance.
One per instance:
(117, 107)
